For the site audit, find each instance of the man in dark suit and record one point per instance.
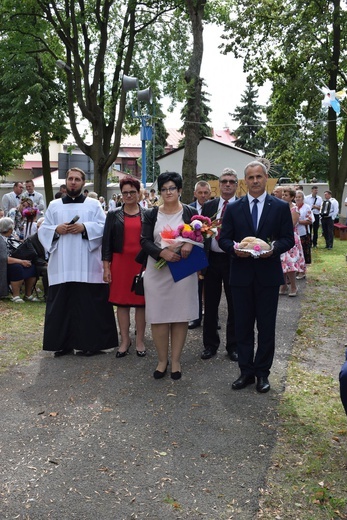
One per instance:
(217, 274)
(202, 193)
(254, 280)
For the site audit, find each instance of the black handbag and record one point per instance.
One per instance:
(25, 251)
(137, 285)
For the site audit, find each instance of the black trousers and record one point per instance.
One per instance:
(255, 305)
(217, 277)
(328, 231)
(314, 230)
(201, 289)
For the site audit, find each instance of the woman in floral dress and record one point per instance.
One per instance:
(293, 261)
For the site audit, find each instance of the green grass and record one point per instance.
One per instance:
(307, 480)
(21, 327)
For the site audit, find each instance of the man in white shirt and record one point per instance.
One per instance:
(36, 197)
(112, 204)
(202, 193)
(329, 211)
(12, 199)
(315, 203)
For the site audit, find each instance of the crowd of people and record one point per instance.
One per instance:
(92, 251)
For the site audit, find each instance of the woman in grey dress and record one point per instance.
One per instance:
(169, 305)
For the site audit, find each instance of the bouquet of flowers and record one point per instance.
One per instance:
(30, 212)
(195, 233)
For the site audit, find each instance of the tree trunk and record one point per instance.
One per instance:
(194, 83)
(46, 169)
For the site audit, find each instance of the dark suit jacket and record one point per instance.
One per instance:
(193, 204)
(275, 225)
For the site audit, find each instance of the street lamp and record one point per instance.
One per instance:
(132, 83)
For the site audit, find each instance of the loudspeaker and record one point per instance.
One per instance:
(145, 95)
(129, 83)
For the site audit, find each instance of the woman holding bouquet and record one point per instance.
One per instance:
(120, 246)
(169, 305)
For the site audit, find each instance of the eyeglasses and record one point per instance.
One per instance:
(171, 189)
(129, 193)
(226, 181)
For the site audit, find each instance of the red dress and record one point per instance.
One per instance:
(124, 267)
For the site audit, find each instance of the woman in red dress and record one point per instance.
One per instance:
(120, 246)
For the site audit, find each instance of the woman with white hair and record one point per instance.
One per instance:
(18, 271)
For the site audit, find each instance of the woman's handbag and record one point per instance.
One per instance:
(137, 286)
(21, 250)
(25, 251)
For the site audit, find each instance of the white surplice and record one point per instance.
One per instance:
(73, 258)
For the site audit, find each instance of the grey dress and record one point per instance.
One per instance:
(168, 301)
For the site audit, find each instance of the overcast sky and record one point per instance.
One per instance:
(225, 82)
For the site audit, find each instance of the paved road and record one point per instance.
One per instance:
(99, 438)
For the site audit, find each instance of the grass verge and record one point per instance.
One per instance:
(307, 479)
(21, 327)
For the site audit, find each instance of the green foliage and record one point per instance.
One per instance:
(32, 105)
(205, 109)
(300, 47)
(249, 116)
(98, 42)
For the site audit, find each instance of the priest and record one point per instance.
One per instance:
(78, 315)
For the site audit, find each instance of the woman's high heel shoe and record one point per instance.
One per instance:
(141, 353)
(125, 353)
(176, 375)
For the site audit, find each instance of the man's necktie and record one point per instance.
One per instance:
(255, 214)
(225, 203)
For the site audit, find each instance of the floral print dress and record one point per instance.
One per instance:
(294, 260)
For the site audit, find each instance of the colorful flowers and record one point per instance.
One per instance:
(30, 212)
(196, 232)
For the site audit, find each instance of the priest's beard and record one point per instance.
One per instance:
(73, 193)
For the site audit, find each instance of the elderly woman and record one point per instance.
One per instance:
(18, 271)
(120, 246)
(169, 305)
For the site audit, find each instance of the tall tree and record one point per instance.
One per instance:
(249, 116)
(299, 46)
(101, 41)
(194, 83)
(205, 129)
(33, 107)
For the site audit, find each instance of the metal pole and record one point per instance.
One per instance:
(143, 164)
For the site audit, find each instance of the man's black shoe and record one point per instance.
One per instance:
(194, 324)
(263, 385)
(242, 382)
(233, 355)
(208, 353)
